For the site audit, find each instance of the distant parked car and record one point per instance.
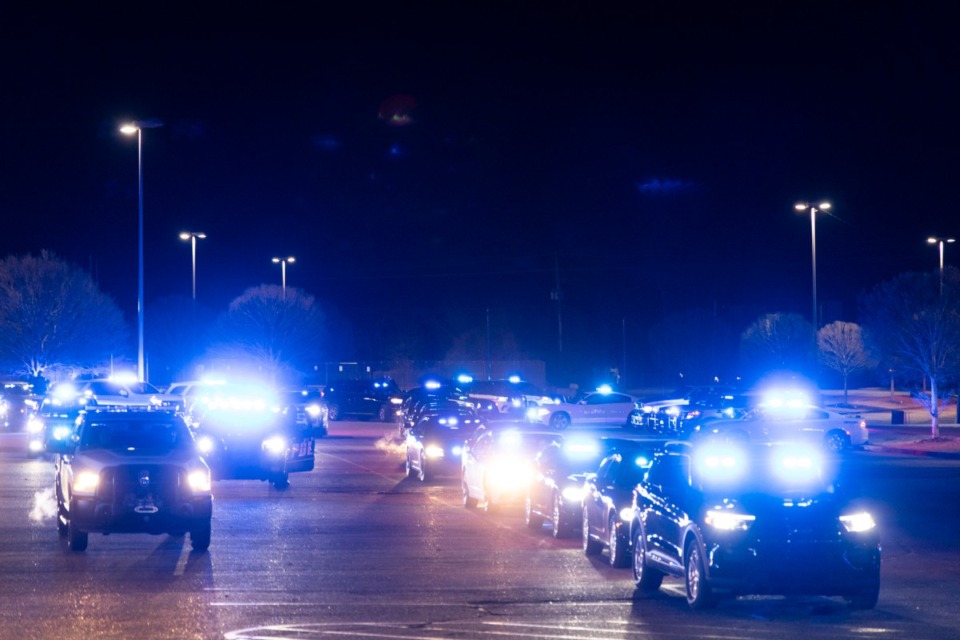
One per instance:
(597, 408)
(378, 399)
(835, 431)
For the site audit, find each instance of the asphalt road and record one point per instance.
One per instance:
(355, 550)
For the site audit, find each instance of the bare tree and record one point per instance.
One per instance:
(778, 341)
(53, 315)
(282, 335)
(840, 347)
(916, 324)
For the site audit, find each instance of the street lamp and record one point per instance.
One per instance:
(192, 237)
(283, 271)
(137, 127)
(804, 206)
(940, 241)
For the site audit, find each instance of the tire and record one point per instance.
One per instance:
(590, 546)
(532, 520)
(422, 474)
(559, 421)
(281, 481)
(645, 578)
(835, 442)
(409, 468)
(333, 413)
(560, 528)
(469, 501)
(617, 545)
(200, 538)
(699, 594)
(76, 540)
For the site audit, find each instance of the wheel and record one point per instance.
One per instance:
(590, 546)
(835, 442)
(409, 468)
(200, 538)
(281, 481)
(333, 412)
(644, 577)
(468, 501)
(866, 598)
(559, 421)
(76, 540)
(617, 546)
(384, 414)
(532, 520)
(422, 475)
(61, 517)
(560, 527)
(699, 594)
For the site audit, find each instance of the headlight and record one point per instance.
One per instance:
(35, 446)
(313, 410)
(199, 481)
(34, 425)
(275, 445)
(626, 514)
(62, 433)
(728, 520)
(433, 451)
(858, 522)
(86, 482)
(396, 400)
(573, 494)
(205, 444)
(510, 474)
(457, 450)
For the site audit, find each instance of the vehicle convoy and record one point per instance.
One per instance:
(244, 432)
(761, 518)
(131, 471)
(369, 399)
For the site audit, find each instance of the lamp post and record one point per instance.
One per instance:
(804, 206)
(283, 271)
(192, 237)
(137, 127)
(940, 241)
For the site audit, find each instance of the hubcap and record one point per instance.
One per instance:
(693, 574)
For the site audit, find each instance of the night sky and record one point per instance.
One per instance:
(455, 157)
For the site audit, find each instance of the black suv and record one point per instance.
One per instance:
(752, 519)
(380, 398)
(131, 472)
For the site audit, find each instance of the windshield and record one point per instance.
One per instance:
(155, 437)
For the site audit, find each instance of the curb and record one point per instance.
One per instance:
(943, 455)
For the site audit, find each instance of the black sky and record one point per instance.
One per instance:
(651, 151)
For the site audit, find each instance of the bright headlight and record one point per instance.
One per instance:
(433, 451)
(573, 494)
(858, 522)
(626, 514)
(35, 446)
(275, 445)
(205, 444)
(728, 520)
(34, 425)
(62, 433)
(457, 450)
(510, 474)
(313, 410)
(86, 482)
(396, 400)
(199, 480)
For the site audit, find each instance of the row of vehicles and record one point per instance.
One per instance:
(726, 516)
(133, 462)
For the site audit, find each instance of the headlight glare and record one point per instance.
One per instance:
(858, 522)
(728, 520)
(199, 480)
(86, 482)
(433, 451)
(275, 445)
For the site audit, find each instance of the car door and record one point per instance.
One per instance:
(662, 514)
(598, 503)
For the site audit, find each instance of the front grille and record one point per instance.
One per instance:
(128, 486)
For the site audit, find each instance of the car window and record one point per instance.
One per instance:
(136, 436)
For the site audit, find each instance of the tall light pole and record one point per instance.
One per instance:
(804, 206)
(192, 237)
(283, 271)
(137, 127)
(940, 241)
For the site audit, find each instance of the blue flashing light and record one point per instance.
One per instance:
(514, 379)
(464, 378)
(431, 385)
(605, 389)
(581, 448)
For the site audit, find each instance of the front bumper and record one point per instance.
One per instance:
(141, 515)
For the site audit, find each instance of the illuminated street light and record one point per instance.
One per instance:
(813, 208)
(129, 129)
(283, 271)
(940, 241)
(192, 237)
